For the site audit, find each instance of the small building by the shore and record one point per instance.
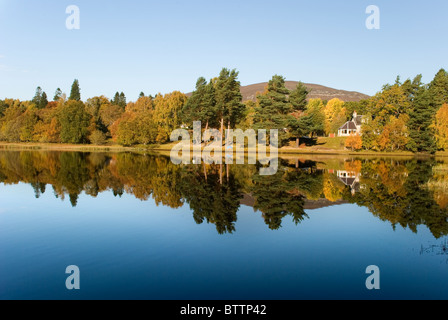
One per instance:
(352, 127)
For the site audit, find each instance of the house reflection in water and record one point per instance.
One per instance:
(351, 179)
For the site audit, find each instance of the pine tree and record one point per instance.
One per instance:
(421, 119)
(410, 88)
(43, 101)
(37, 97)
(119, 100)
(298, 97)
(40, 99)
(299, 127)
(116, 99)
(75, 93)
(2, 108)
(201, 106)
(122, 101)
(273, 109)
(438, 89)
(229, 106)
(57, 94)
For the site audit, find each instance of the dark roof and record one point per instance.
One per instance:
(358, 120)
(348, 181)
(350, 125)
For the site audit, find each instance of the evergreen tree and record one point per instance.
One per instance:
(116, 99)
(298, 97)
(315, 112)
(300, 127)
(40, 99)
(57, 94)
(438, 89)
(229, 106)
(119, 100)
(37, 97)
(43, 101)
(410, 88)
(142, 94)
(122, 101)
(201, 106)
(273, 109)
(2, 108)
(75, 93)
(421, 119)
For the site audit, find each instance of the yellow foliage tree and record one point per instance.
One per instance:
(440, 127)
(333, 188)
(335, 115)
(167, 113)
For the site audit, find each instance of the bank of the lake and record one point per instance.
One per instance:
(166, 149)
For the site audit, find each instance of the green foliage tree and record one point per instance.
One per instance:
(228, 97)
(361, 107)
(27, 121)
(421, 135)
(57, 94)
(37, 97)
(315, 112)
(438, 89)
(93, 107)
(2, 108)
(119, 100)
(201, 106)
(40, 99)
(298, 97)
(273, 110)
(98, 138)
(75, 122)
(75, 93)
(44, 101)
(127, 135)
(410, 88)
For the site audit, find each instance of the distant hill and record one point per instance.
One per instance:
(317, 92)
(249, 201)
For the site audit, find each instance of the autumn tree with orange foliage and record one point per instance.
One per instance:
(395, 134)
(354, 142)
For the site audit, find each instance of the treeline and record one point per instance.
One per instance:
(404, 116)
(408, 115)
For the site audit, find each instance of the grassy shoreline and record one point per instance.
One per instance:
(287, 151)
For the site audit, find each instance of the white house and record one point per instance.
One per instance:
(352, 127)
(351, 179)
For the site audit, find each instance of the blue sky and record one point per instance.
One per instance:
(162, 46)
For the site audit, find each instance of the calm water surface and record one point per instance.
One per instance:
(140, 227)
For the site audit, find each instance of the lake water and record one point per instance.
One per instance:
(140, 227)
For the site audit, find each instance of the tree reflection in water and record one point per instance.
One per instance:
(407, 193)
